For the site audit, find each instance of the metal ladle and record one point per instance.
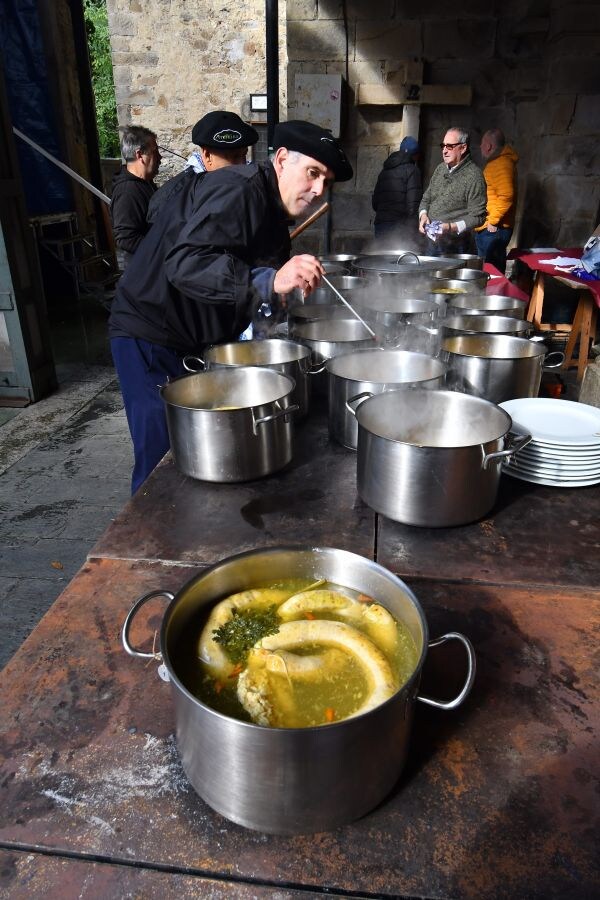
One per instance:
(345, 302)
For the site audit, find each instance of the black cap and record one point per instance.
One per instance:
(221, 129)
(316, 142)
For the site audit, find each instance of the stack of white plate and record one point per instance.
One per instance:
(565, 446)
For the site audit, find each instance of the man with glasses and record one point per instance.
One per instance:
(215, 254)
(455, 200)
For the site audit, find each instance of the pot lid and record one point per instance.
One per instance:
(404, 263)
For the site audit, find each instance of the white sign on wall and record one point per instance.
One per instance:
(319, 100)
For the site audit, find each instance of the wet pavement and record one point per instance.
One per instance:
(65, 466)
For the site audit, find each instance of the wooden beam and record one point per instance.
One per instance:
(392, 94)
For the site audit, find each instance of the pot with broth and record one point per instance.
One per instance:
(293, 673)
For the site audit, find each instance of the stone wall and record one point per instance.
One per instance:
(534, 68)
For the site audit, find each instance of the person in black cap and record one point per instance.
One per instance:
(398, 190)
(223, 139)
(216, 253)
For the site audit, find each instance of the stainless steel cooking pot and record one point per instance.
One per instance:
(287, 357)
(473, 276)
(406, 263)
(346, 284)
(230, 424)
(329, 339)
(315, 312)
(337, 259)
(450, 286)
(485, 305)
(390, 316)
(368, 372)
(497, 367)
(289, 780)
(467, 260)
(455, 325)
(432, 458)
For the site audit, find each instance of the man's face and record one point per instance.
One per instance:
(301, 179)
(486, 147)
(218, 159)
(452, 150)
(151, 159)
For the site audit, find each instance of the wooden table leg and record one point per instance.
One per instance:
(536, 303)
(583, 328)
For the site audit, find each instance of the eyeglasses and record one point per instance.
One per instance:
(451, 146)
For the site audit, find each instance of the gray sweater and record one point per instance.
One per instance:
(452, 196)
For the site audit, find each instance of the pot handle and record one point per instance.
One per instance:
(190, 359)
(554, 365)
(408, 253)
(466, 689)
(317, 368)
(521, 441)
(362, 397)
(293, 407)
(129, 620)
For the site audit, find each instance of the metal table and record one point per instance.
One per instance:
(497, 797)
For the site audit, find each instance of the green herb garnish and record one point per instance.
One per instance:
(244, 629)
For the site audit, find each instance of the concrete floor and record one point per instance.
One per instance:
(65, 467)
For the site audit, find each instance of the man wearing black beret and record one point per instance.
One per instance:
(216, 253)
(223, 139)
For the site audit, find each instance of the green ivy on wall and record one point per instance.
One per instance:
(96, 23)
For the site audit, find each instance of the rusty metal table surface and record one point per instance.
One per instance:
(311, 502)
(533, 535)
(497, 799)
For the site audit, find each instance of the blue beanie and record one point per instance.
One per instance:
(410, 145)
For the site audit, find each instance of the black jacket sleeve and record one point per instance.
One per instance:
(128, 208)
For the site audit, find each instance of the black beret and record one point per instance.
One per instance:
(223, 129)
(316, 142)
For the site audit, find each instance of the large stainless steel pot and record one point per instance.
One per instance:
(473, 276)
(406, 263)
(390, 317)
(290, 780)
(346, 284)
(452, 326)
(497, 367)
(315, 312)
(329, 339)
(337, 259)
(450, 286)
(370, 372)
(485, 305)
(467, 260)
(230, 424)
(432, 458)
(288, 357)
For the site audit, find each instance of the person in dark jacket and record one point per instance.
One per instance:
(216, 252)
(398, 190)
(223, 139)
(133, 187)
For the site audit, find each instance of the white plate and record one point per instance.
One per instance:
(522, 476)
(554, 472)
(578, 454)
(553, 422)
(575, 465)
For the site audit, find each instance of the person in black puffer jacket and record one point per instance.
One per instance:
(398, 190)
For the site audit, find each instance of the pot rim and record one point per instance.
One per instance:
(338, 362)
(407, 686)
(272, 374)
(430, 395)
(301, 350)
(508, 340)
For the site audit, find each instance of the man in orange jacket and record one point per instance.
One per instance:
(500, 173)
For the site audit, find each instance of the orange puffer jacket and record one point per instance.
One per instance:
(501, 181)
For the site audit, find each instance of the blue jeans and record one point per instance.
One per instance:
(492, 246)
(142, 368)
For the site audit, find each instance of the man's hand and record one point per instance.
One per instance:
(492, 228)
(423, 221)
(302, 272)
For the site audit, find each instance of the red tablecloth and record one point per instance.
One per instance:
(499, 284)
(538, 263)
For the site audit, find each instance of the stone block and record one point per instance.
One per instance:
(575, 17)
(582, 76)
(120, 23)
(459, 38)
(521, 38)
(299, 10)
(374, 126)
(590, 386)
(359, 10)
(378, 39)
(315, 40)
(352, 212)
(121, 75)
(133, 58)
(369, 163)
(575, 46)
(563, 155)
(586, 117)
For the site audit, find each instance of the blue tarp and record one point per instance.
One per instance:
(47, 189)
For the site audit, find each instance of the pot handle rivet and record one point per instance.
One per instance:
(466, 689)
(129, 621)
